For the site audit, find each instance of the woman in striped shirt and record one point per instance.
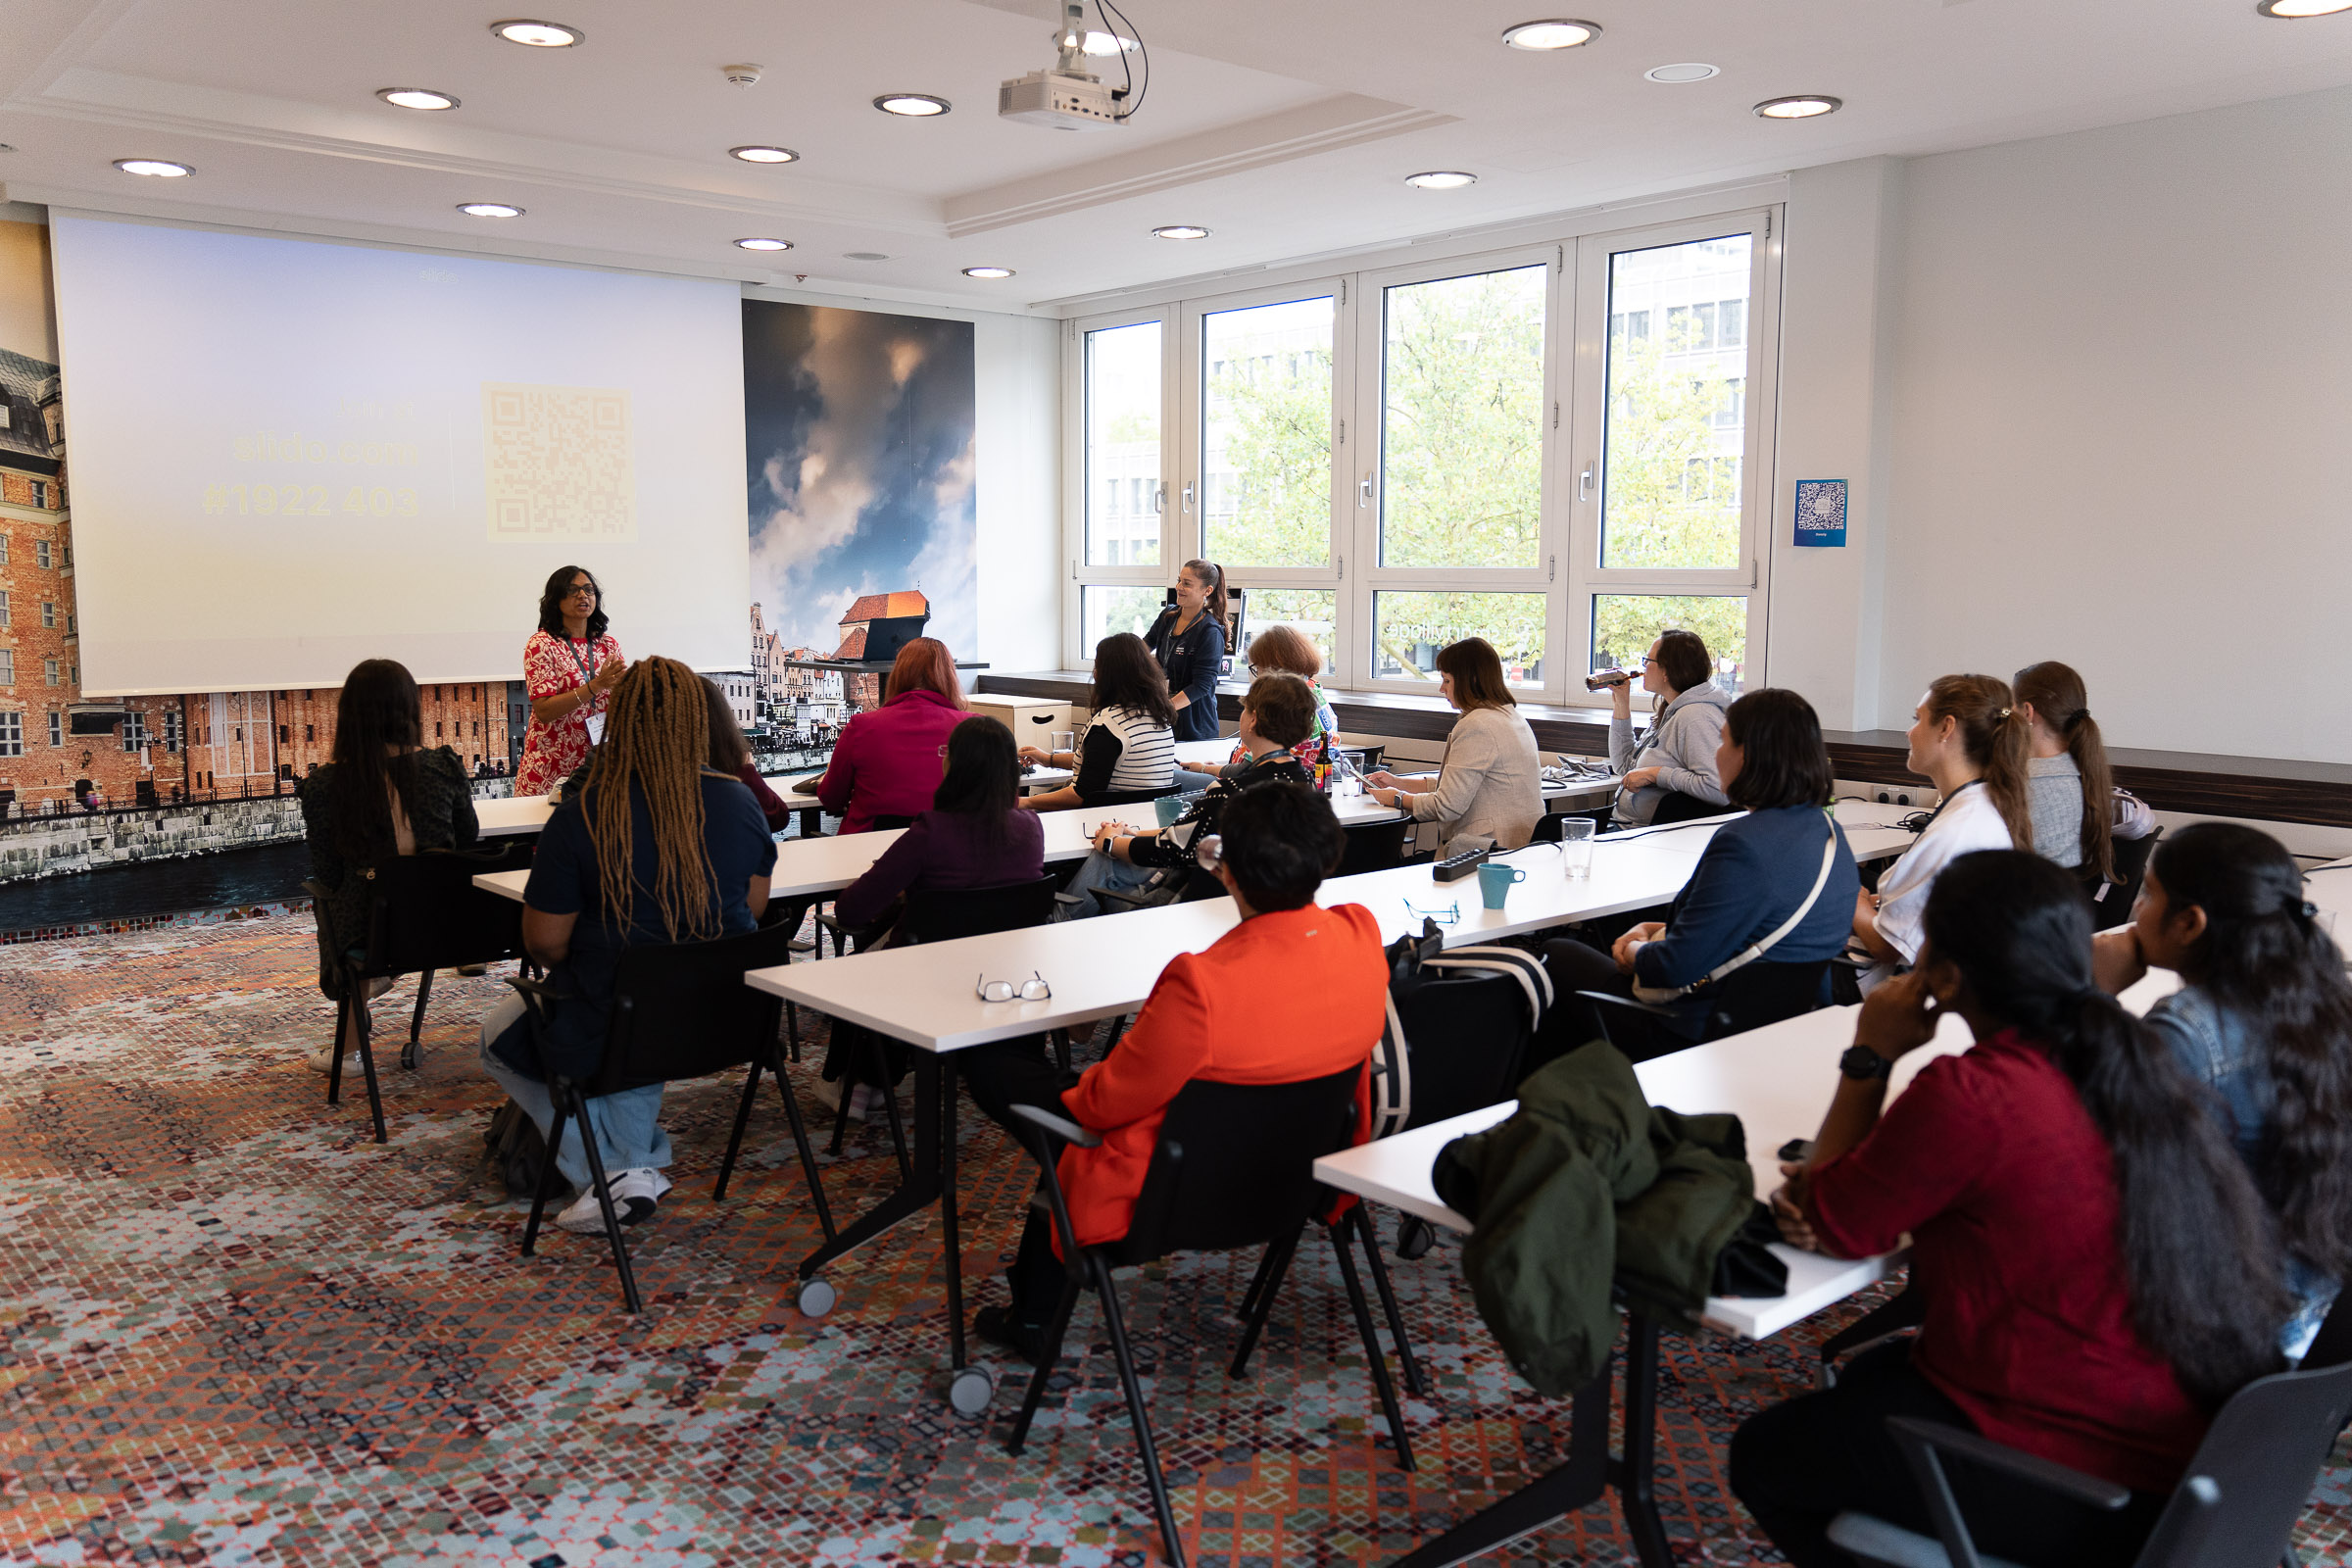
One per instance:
(1129, 752)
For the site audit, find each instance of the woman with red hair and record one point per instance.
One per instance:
(886, 766)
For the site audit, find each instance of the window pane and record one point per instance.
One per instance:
(1105, 610)
(1309, 611)
(1265, 422)
(1676, 398)
(1122, 446)
(1623, 625)
(1408, 629)
(1463, 422)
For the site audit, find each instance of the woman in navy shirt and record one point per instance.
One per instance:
(654, 846)
(1189, 641)
(1754, 874)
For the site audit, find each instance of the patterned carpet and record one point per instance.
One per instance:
(233, 1330)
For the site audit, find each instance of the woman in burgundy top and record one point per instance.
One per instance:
(887, 764)
(2072, 1209)
(974, 835)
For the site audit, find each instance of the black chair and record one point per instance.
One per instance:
(1749, 997)
(1373, 846)
(2111, 901)
(1677, 807)
(2237, 1505)
(1548, 829)
(1233, 1168)
(679, 1011)
(423, 913)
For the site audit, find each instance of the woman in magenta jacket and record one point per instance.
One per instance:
(887, 763)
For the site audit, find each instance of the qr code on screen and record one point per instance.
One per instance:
(555, 462)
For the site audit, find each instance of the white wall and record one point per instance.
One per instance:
(1017, 490)
(2122, 368)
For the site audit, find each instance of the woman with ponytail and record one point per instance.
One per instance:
(654, 845)
(2069, 792)
(1969, 740)
(1189, 641)
(2097, 1269)
(2264, 1015)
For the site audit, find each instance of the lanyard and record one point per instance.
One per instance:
(1947, 801)
(587, 666)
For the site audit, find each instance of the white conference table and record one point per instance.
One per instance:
(1778, 1080)
(511, 815)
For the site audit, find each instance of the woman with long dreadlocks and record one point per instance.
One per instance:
(654, 846)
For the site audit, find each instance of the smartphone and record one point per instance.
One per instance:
(1795, 1150)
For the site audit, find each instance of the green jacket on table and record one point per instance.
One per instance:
(1588, 1187)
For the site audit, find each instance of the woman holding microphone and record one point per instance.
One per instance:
(568, 666)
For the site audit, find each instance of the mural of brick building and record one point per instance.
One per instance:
(869, 617)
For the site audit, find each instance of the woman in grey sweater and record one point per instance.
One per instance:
(1678, 755)
(1489, 788)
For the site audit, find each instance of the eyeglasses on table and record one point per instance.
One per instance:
(1033, 989)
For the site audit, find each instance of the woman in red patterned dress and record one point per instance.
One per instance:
(568, 666)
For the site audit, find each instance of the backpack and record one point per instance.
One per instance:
(518, 1150)
(1458, 1027)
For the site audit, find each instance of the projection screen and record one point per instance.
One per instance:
(286, 456)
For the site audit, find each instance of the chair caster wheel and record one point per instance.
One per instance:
(817, 1298)
(1415, 1237)
(408, 1058)
(970, 1391)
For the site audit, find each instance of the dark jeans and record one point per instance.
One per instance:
(1801, 1463)
(1023, 1072)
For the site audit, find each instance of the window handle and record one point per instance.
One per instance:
(1159, 499)
(1363, 493)
(1584, 484)
(1188, 498)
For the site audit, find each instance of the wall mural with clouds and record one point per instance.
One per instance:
(860, 451)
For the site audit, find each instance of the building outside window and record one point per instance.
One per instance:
(40, 553)
(48, 611)
(173, 734)
(4, 621)
(40, 494)
(12, 734)
(134, 732)
(57, 729)
(8, 667)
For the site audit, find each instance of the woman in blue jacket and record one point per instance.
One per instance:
(1189, 641)
(1757, 871)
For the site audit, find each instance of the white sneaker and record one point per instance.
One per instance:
(585, 1216)
(636, 1194)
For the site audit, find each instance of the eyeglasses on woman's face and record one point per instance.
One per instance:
(580, 590)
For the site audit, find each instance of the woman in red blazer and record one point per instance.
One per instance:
(1293, 992)
(887, 762)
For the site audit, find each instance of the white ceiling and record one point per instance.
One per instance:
(1284, 125)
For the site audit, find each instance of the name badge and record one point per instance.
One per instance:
(596, 729)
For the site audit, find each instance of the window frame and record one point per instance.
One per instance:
(1567, 572)
(1587, 581)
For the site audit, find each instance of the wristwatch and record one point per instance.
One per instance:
(1863, 1064)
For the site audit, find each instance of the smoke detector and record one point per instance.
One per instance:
(740, 76)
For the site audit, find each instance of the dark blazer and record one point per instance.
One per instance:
(1192, 662)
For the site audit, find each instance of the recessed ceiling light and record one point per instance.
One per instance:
(1441, 179)
(416, 98)
(489, 210)
(538, 35)
(1557, 33)
(764, 155)
(1681, 72)
(2290, 10)
(988, 272)
(863, 256)
(1105, 44)
(1800, 106)
(765, 244)
(1182, 231)
(155, 167)
(913, 105)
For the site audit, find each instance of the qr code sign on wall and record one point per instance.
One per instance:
(555, 462)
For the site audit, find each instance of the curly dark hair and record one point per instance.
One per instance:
(558, 587)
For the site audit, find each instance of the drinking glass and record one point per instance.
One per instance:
(1576, 846)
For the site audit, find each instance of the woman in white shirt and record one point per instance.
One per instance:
(1968, 737)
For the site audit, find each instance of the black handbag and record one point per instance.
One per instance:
(518, 1150)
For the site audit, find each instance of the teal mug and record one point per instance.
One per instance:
(1495, 882)
(1168, 808)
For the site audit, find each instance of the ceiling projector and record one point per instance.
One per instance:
(1063, 95)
